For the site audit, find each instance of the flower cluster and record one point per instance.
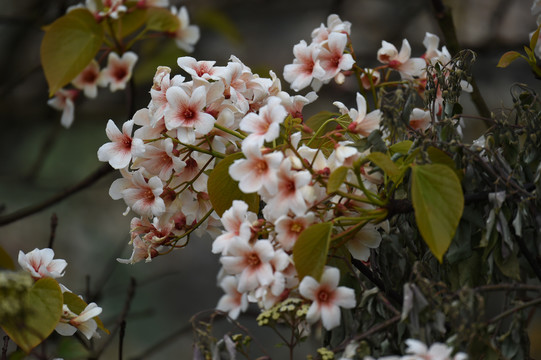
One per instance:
(192, 123)
(324, 59)
(119, 68)
(40, 263)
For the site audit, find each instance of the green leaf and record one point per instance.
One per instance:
(310, 250)
(438, 203)
(384, 162)
(316, 121)
(71, 348)
(77, 305)
(68, 46)
(510, 266)
(508, 58)
(221, 23)
(530, 54)
(222, 189)
(163, 20)
(535, 38)
(438, 156)
(130, 22)
(336, 179)
(5, 260)
(402, 147)
(43, 308)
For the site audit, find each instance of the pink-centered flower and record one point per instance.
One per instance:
(70, 322)
(162, 82)
(327, 298)
(160, 158)
(63, 100)
(186, 35)
(264, 126)
(118, 71)
(401, 61)
(237, 222)
(197, 69)
(122, 147)
(40, 264)
(257, 170)
(332, 57)
(233, 301)
(288, 229)
(362, 123)
(140, 195)
(87, 80)
(185, 111)
(251, 261)
(289, 195)
(306, 66)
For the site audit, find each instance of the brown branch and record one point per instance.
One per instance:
(33, 209)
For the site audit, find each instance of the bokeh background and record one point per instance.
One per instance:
(40, 158)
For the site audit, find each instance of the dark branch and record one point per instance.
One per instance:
(376, 281)
(89, 180)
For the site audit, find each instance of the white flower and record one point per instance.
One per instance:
(118, 71)
(84, 322)
(122, 147)
(64, 101)
(362, 123)
(327, 297)
(87, 80)
(257, 170)
(187, 35)
(251, 262)
(233, 301)
(40, 264)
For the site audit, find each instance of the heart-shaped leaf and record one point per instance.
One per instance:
(42, 310)
(69, 44)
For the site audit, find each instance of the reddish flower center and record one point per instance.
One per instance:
(296, 227)
(120, 73)
(323, 296)
(253, 259)
(261, 167)
(89, 77)
(148, 196)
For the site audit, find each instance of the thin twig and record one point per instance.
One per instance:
(33, 209)
(121, 338)
(5, 348)
(509, 287)
(515, 309)
(376, 281)
(368, 333)
(163, 342)
(121, 318)
(54, 224)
